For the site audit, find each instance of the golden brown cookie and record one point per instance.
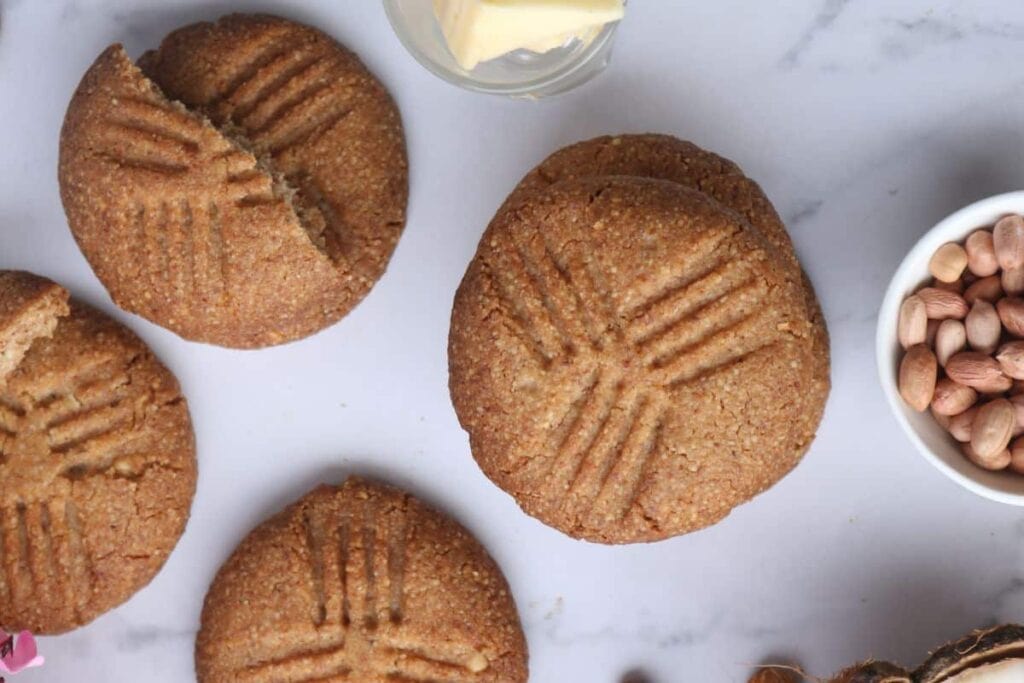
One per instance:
(29, 308)
(665, 157)
(652, 155)
(248, 189)
(631, 360)
(360, 582)
(97, 473)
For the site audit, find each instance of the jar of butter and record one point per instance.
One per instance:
(518, 48)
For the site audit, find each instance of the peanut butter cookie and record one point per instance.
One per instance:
(245, 187)
(630, 358)
(97, 473)
(665, 157)
(360, 582)
(29, 308)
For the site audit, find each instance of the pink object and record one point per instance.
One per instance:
(23, 656)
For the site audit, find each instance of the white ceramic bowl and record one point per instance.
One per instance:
(931, 440)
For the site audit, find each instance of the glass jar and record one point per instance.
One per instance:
(521, 73)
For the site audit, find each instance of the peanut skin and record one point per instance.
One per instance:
(948, 262)
(1017, 456)
(978, 371)
(995, 462)
(941, 304)
(918, 374)
(1008, 240)
(991, 432)
(988, 288)
(950, 339)
(913, 324)
(983, 327)
(960, 425)
(1011, 313)
(951, 398)
(981, 253)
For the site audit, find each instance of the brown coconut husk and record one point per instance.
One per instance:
(979, 648)
(874, 672)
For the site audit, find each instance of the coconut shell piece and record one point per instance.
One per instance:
(977, 649)
(874, 672)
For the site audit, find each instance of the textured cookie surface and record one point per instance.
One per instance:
(630, 359)
(97, 473)
(668, 158)
(246, 190)
(360, 583)
(29, 308)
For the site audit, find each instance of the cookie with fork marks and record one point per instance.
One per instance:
(360, 582)
(243, 185)
(630, 358)
(97, 473)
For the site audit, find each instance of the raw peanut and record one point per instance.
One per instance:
(983, 327)
(950, 340)
(951, 398)
(918, 373)
(1017, 456)
(976, 370)
(992, 429)
(940, 304)
(996, 385)
(1008, 240)
(960, 425)
(981, 254)
(956, 286)
(1018, 406)
(1011, 359)
(948, 262)
(1011, 312)
(913, 324)
(932, 331)
(1017, 388)
(995, 462)
(943, 420)
(1012, 281)
(988, 288)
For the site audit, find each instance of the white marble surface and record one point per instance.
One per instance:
(865, 122)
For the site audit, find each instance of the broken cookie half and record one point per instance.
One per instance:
(30, 306)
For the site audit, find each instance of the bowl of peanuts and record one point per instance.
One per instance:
(950, 347)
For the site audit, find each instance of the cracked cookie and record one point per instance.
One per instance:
(244, 185)
(360, 582)
(631, 359)
(97, 470)
(29, 308)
